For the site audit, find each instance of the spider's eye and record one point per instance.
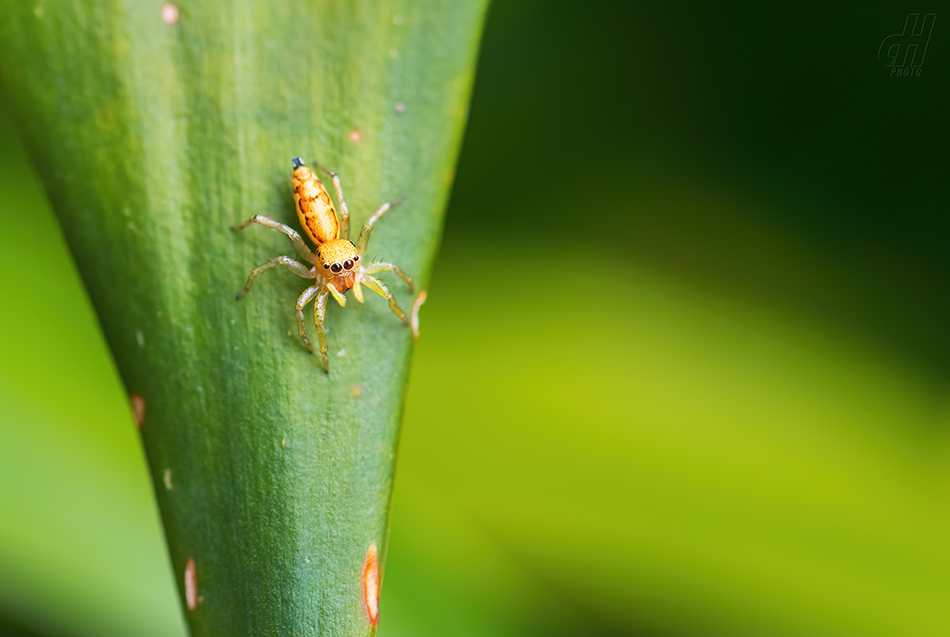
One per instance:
(356, 258)
(325, 266)
(336, 267)
(347, 264)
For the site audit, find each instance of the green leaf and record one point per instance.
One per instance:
(152, 139)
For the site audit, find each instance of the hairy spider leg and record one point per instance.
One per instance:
(344, 211)
(287, 230)
(294, 266)
(377, 286)
(301, 302)
(368, 226)
(383, 266)
(319, 311)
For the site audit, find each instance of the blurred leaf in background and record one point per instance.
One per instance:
(683, 369)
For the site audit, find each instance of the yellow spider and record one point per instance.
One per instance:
(336, 265)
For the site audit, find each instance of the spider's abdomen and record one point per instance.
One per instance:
(314, 208)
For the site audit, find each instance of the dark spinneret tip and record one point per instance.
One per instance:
(297, 162)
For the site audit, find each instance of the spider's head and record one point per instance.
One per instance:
(338, 261)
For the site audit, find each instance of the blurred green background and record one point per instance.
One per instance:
(685, 365)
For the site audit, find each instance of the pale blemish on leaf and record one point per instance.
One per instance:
(169, 13)
(191, 584)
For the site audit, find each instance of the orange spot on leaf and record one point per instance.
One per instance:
(414, 319)
(371, 585)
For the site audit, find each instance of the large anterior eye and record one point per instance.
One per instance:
(336, 267)
(348, 264)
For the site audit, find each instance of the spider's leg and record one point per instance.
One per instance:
(302, 248)
(344, 211)
(319, 311)
(294, 266)
(382, 266)
(301, 302)
(377, 286)
(368, 226)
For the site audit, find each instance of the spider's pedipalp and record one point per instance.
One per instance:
(339, 298)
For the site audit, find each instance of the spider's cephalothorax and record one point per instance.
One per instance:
(337, 265)
(339, 260)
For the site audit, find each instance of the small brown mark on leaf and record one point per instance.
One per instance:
(357, 391)
(167, 478)
(138, 409)
(356, 136)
